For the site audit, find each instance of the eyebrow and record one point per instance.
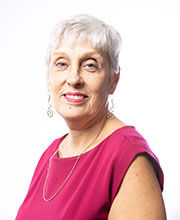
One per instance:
(59, 53)
(89, 54)
(84, 56)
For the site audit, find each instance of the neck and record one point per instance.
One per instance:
(86, 132)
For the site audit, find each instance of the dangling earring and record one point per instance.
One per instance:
(49, 111)
(110, 113)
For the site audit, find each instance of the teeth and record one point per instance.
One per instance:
(75, 96)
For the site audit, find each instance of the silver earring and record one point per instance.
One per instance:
(49, 111)
(112, 106)
(110, 113)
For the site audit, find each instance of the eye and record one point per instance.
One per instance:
(61, 64)
(90, 66)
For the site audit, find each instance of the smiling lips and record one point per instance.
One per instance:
(75, 97)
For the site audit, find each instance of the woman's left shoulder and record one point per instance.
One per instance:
(119, 130)
(126, 145)
(127, 139)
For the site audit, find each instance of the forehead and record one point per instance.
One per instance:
(76, 46)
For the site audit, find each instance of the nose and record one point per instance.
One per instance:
(74, 79)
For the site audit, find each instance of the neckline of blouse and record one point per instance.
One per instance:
(87, 152)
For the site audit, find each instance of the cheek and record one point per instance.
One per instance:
(101, 87)
(55, 90)
(99, 91)
(56, 83)
(96, 82)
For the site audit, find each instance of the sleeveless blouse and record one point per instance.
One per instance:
(90, 191)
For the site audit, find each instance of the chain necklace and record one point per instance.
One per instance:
(48, 170)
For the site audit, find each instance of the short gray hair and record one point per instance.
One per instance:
(85, 27)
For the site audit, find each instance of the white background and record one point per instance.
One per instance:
(147, 95)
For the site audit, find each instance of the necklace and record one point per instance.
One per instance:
(48, 170)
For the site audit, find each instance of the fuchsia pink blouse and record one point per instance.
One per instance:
(89, 192)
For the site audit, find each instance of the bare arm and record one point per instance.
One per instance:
(139, 197)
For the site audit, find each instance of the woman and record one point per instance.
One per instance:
(101, 169)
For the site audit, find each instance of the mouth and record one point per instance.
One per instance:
(75, 97)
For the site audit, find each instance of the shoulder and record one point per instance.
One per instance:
(50, 149)
(44, 159)
(125, 145)
(139, 196)
(128, 141)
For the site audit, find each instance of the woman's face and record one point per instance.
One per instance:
(79, 80)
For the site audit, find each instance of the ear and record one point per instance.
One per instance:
(114, 82)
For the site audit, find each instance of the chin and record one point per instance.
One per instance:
(73, 114)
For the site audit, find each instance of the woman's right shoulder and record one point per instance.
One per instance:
(51, 149)
(44, 159)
